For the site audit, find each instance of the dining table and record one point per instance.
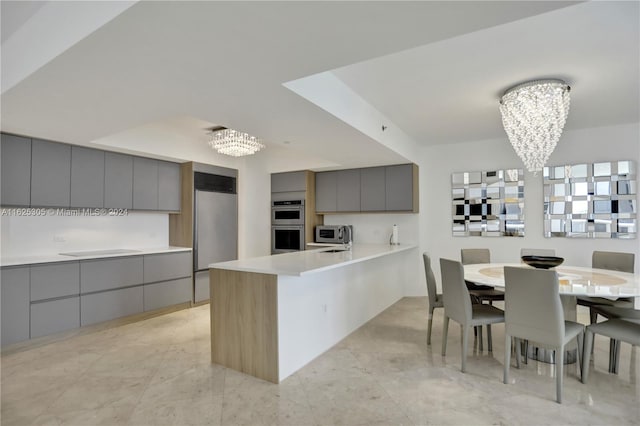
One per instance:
(573, 281)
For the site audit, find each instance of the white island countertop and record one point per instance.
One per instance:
(310, 261)
(86, 255)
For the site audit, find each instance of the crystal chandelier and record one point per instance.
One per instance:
(234, 143)
(533, 115)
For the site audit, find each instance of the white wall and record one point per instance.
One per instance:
(318, 310)
(588, 145)
(29, 236)
(375, 228)
(254, 209)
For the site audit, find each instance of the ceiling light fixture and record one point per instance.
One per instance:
(234, 143)
(533, 116)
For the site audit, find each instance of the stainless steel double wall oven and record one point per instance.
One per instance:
(287, 226)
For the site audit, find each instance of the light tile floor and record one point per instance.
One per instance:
(157, 372)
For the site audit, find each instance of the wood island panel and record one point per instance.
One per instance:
(311, 219)
(181, 224)
(244, 322)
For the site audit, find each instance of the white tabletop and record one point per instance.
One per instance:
(310, 261)
(574, 280)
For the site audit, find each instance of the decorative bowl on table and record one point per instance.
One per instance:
(542, 262)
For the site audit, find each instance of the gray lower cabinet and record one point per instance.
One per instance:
(348, 190)
(167, 293)
(43, 299)
(167, 266)
(168, 186)
(109, 305)
(372, 189)
(145, 184)
(106, 274)
(87, 177)
(201, 286)
(326, 192)
(55, 280)
(118, 181)
(55, 316)
(50, 174)
(167, 278)
(15, 304)
(16, 170)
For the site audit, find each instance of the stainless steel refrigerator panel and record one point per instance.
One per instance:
(201, 286)
(216, 228)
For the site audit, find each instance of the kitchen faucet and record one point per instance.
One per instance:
(347, 242)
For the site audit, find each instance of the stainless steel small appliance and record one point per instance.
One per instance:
(334, 234)
(287, 212)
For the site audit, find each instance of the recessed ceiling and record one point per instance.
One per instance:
(448, 91)
(15, 14)
(434, 69)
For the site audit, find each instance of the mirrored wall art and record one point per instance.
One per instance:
(488, 203)
(591, 200)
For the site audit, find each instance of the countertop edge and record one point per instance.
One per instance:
(362, 259)
(286, 272)
(57, 258)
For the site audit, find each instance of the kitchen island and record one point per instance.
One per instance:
(272, 315)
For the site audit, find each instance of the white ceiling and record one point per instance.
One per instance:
(15, 14)
(433, 69)
(448, 91)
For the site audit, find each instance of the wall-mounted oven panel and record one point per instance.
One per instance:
(286, 239)
(287, 212)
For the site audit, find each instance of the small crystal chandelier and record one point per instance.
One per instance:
(234, 143)
(533, 115)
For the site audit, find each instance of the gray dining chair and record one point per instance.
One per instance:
(435, 299)
(533, 311)
(458, 307)
(613, 312)
(537, 252)
(612, 261)
(533, 252)
(615, 329)
(480, 293)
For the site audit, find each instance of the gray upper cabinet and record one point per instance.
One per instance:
(50, 173)
(168, 186)
(289, 182)
(15, 305)
(87, 177)
(399, 187)
(348, 190)
(16, 170)
(41, 173)
(118, 181)
(145, 184)
(372, 189)
(326, 192)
